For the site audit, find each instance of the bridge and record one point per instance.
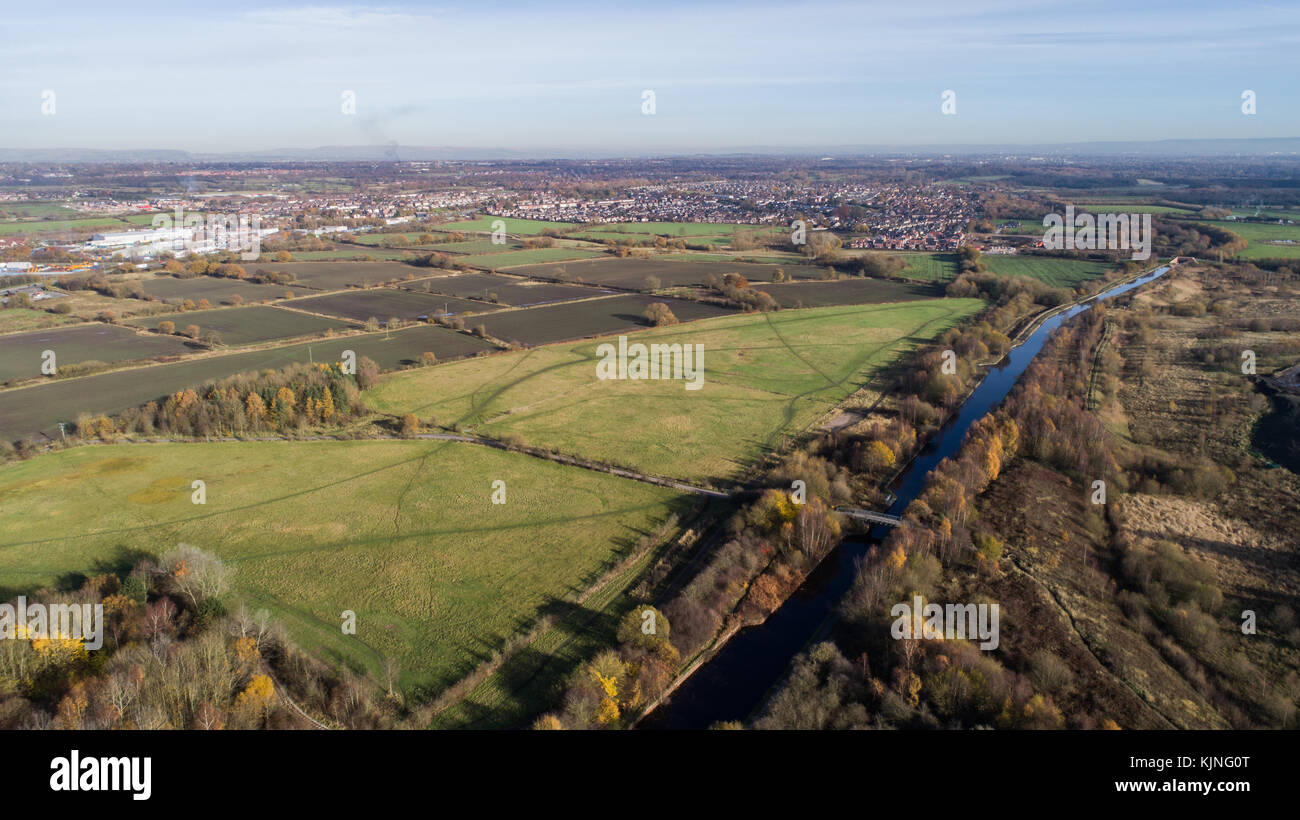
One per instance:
(870, 515)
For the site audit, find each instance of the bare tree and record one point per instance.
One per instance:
(195, 574)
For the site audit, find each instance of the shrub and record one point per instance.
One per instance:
(659, 314)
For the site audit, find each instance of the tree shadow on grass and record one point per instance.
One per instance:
(120, 562)
(533, 679)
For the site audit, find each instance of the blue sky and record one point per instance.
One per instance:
(569, 76)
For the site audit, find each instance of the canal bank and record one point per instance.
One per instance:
(734, 682)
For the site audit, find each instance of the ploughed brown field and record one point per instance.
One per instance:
(574, 320)
(38, 409)
(387, 303)
(632, 273)
(509, 290)
(246, 325)
(336, 275)
(217, 290)
(21, 353)
(856, 291)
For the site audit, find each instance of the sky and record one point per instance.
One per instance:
(571, 77)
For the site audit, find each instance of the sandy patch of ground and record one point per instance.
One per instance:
(1243, 558)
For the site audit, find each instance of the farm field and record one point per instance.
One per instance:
(535, 256)
(1034, 227)
(758, 385)
(855, 291)
(20, 353)
(472, 246)
(387, 303)
(632, 273)
(509, 290)
(715, 242)
(1259, 234)
(1266, 250)
(38, 409)
(1052, 271)
(354, 254)
(937, 268)
(607, 236)
(141, 220)
(675, 230)
(592, 317)
(764, 258)
(1110, 206)
(928, 267)
(411, 237)
(13, 320)
(80, 226)
(403, 533)
(36, 210)
(525, 227)
(337, 275)
(246, 325)
(217, 290)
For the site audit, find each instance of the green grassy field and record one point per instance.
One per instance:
(674, 230)
(1263, 250)
(87, 225)
(1107, 206)
(246, 325)
(526, 683)
(928, 267)
(942, 267)
(142, 219)
(1058, 273)
(404, 534)
(13, 320)
(36, 210)
(765, 375)
(526, 227)
(1258, 234)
